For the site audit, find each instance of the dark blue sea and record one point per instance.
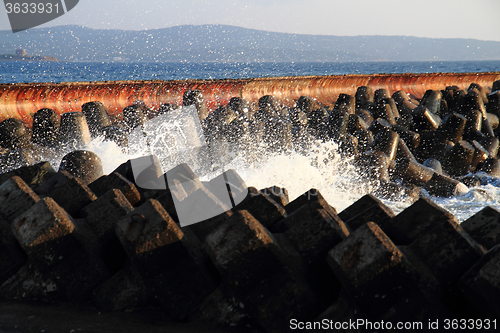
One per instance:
(23, 71)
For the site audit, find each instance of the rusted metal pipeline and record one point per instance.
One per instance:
(22, 100)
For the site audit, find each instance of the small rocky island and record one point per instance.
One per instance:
(21, 55)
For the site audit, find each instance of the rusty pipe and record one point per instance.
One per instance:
(22, 100)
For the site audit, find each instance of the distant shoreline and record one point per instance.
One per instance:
(14, 57)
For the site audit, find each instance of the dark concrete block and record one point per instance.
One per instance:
(481, 283)
(12, 257)
(124, 290)
(223, 307)
(443, 186)
(56, 180)
(315, 233)
(243, 250)
(415, 221)
(372, 269)
(115, 181)
(447, 250)
(166, 258)
(15, 198)
(312, 197)
(103, 214)
(278, 194)
(366, 209)
(484, 227)
(33, 175)
(73, 195)
(262, 207)
(61, 249)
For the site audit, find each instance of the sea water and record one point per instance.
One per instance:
(320, 167)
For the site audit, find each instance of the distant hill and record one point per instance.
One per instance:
(222, 43)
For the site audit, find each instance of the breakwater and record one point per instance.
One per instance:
(80, 236)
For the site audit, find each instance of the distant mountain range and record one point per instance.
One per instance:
(222, 43)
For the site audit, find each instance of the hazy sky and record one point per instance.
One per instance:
(479, 19)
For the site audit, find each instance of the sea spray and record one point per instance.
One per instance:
(317, 164)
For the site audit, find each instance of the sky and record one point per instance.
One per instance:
(478, 19)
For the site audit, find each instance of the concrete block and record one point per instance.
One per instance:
(15, 198)
(484, 227)
(14, 135)
(16, 158)
(62, 250)
(29, 283)
(203, 229)
(115, 181)
(262, 207)
(374, 165)
(243, 251)
(166, 258)
(12, 257)
(311, 197)
(447, 250)
(124, 290)
(366, 209)
(362, 204)
(56, 180)
(33, 175)
(415, 221)
(372, 269)
(189, 201)
(199, 206)
(458, 160)
(315, 232)
(73, 195)
(96, 116)
(443, 186)
(278, 300)
(45, 126)
(74, 131)
(252, 263)
(278, 194)
(103, 214)
(481, 283)
(223, 307)
(228, 187)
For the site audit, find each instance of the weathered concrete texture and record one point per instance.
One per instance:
(124, 290)
(447, 250)
(61, 253)
(33, 175)
(484, 227)
(369, 209)
(315, 232)
(12, 257)
(15, 198)
(372, 269)
(262, 207)
(481, 283)
(103, 213)
(115, 180)
(72, 194)
(253, 264)
(166, 261)
(415, 221)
